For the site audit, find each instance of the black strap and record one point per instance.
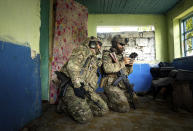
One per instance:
(85, 64)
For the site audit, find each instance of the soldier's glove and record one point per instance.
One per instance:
(80, 92)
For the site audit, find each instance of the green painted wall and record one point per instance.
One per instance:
(20, 22)
(44, 47)
(159, 21)
(181, 10)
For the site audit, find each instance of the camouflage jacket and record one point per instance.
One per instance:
(75, 70)
(111, 68)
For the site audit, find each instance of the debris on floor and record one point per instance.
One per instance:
(150, 115)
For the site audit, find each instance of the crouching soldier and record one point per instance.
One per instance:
(119, 98)
(78, 96)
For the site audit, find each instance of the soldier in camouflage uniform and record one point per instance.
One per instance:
(113, 62)
(82, 70)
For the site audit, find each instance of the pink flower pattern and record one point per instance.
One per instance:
(70, 31)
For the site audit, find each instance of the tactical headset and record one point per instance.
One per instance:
(93, 43)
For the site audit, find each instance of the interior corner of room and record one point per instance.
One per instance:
(36, 39)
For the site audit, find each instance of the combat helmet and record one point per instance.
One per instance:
(118, 39)
(92, 41)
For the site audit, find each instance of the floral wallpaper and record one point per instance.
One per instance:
(70, 31)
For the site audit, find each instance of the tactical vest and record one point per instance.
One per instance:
(88, 71)
(110, 78)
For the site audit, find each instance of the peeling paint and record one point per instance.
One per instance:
(20, 86)
(11, 40)
(33, 54)
(7, 38)
(21, 22)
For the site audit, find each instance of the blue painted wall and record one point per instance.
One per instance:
(20, 92)
(141, 78)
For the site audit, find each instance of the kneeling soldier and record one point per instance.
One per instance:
(80, 99)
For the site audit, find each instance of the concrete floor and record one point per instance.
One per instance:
(150, 115)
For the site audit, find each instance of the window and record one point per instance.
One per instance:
(187, 35)
(141, 39)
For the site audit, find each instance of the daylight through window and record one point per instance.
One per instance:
(187, 35)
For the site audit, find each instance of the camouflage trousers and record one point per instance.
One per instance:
(118, 99)
(82, 110)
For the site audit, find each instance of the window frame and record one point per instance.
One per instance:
(183, 34)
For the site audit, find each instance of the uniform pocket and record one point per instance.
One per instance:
(93, 81)
(110, 81)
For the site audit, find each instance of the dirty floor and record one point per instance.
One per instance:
(150, 115)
